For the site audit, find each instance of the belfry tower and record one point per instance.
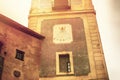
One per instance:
(72, 48)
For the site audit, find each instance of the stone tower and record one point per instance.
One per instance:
(72, 49)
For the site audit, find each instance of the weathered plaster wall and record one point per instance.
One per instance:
(13, 39)
(77, 46)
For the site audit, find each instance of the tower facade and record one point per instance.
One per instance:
(72, 48)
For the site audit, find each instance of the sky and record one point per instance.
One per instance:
(108, 19)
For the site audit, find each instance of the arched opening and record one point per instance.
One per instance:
(61, 4)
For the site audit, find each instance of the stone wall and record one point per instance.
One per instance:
(79, 9)
(13, 39)
(95, 53)
(98, 53)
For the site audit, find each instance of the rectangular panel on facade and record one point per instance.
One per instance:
(64, 35)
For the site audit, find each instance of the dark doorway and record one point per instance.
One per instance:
(1, 66)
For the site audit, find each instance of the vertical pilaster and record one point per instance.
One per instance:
(98, 55)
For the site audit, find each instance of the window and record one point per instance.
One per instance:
(19, 55)
(64, 63)
(61, 4)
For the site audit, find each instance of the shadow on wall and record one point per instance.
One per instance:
(1, 44)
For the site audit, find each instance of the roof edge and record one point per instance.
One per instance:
(20, 27)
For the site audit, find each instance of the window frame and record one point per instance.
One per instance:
(58, 65)
(21, 55)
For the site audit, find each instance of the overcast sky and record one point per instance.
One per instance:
(108, 18)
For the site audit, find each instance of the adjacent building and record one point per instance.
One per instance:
(20, 50)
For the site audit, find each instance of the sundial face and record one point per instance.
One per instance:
(62, 33)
